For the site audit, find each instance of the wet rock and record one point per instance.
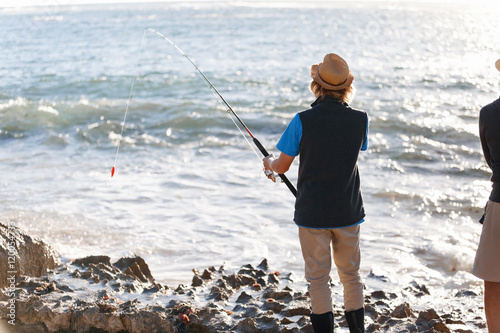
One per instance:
(238, 280)
(427, 316)
(264, 265)
(429, 319)
(63, 287)
(154, 288)
(197, 281)
(212, 319)
(251, 271)
(454, 322)
(146, 321)
(247, 325)
(297, 310)
(402, 311)
(244, 297)
(418, 289)
(262, 281)
(100, 272)
(379, 294)
(394, 323)
(219, 293)
(257, 286)
(134, 288)
(282, 295)
(136, 267)
(378, 277)
(305, 324)
(439, 326)
(223, 285)
(23, 254)
(383, 319)
(273, 305)
(246, 311)
(45, 288)
(273, 278)
(373, 327)
(465, 293)
(371, 311)
(180, 289)
(76, 274)
(208, 274)
(267, 323)
(287, 276)
(300, 297)
(381, 304)
(273, 309)
(246, 269)
(85, 262)
(130, 305)
(107, 308)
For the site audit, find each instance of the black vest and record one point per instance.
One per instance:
(489, 133)
(328, 185)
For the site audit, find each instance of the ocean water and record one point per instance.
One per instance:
(188, 191)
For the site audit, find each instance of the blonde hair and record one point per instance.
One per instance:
(345, 95)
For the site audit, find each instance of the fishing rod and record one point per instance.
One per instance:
(229, 110)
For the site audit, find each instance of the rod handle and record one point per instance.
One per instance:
(282, 176)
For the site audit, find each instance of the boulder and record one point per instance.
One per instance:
(21, 254)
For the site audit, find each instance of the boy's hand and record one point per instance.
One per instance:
(267, 161)
(268, 170)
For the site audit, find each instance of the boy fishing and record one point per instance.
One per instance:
(329, 208)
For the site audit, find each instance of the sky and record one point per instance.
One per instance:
(24, 3)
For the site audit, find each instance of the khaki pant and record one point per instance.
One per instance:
(487, 262)
(317, 254)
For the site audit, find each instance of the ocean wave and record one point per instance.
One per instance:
(57, 141)
(447, 254)
(157, 124)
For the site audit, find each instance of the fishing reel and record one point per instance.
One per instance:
(270, 175)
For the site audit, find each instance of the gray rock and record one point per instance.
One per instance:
(85, 262)
(136, 267)
(244, 297)
(197, 281)
(264, 265)
(402, 311)
(247, 325)
(465, 293)
(21, 254)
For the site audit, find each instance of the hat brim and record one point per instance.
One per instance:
(317, 78)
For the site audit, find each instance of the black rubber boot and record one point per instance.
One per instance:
(322, 323)
(356, 320)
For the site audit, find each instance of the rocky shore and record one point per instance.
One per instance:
(93, 294)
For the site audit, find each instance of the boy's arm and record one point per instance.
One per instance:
(279, 165)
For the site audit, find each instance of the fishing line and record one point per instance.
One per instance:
(128, 103)
(214, 90)
(243, 134)
(223, 103)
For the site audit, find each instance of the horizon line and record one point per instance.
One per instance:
(51, 3)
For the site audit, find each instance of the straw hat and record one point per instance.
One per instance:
(497, 64)
(333, 73)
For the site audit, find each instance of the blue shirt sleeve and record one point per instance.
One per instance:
(365, 143)
(290, 139)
